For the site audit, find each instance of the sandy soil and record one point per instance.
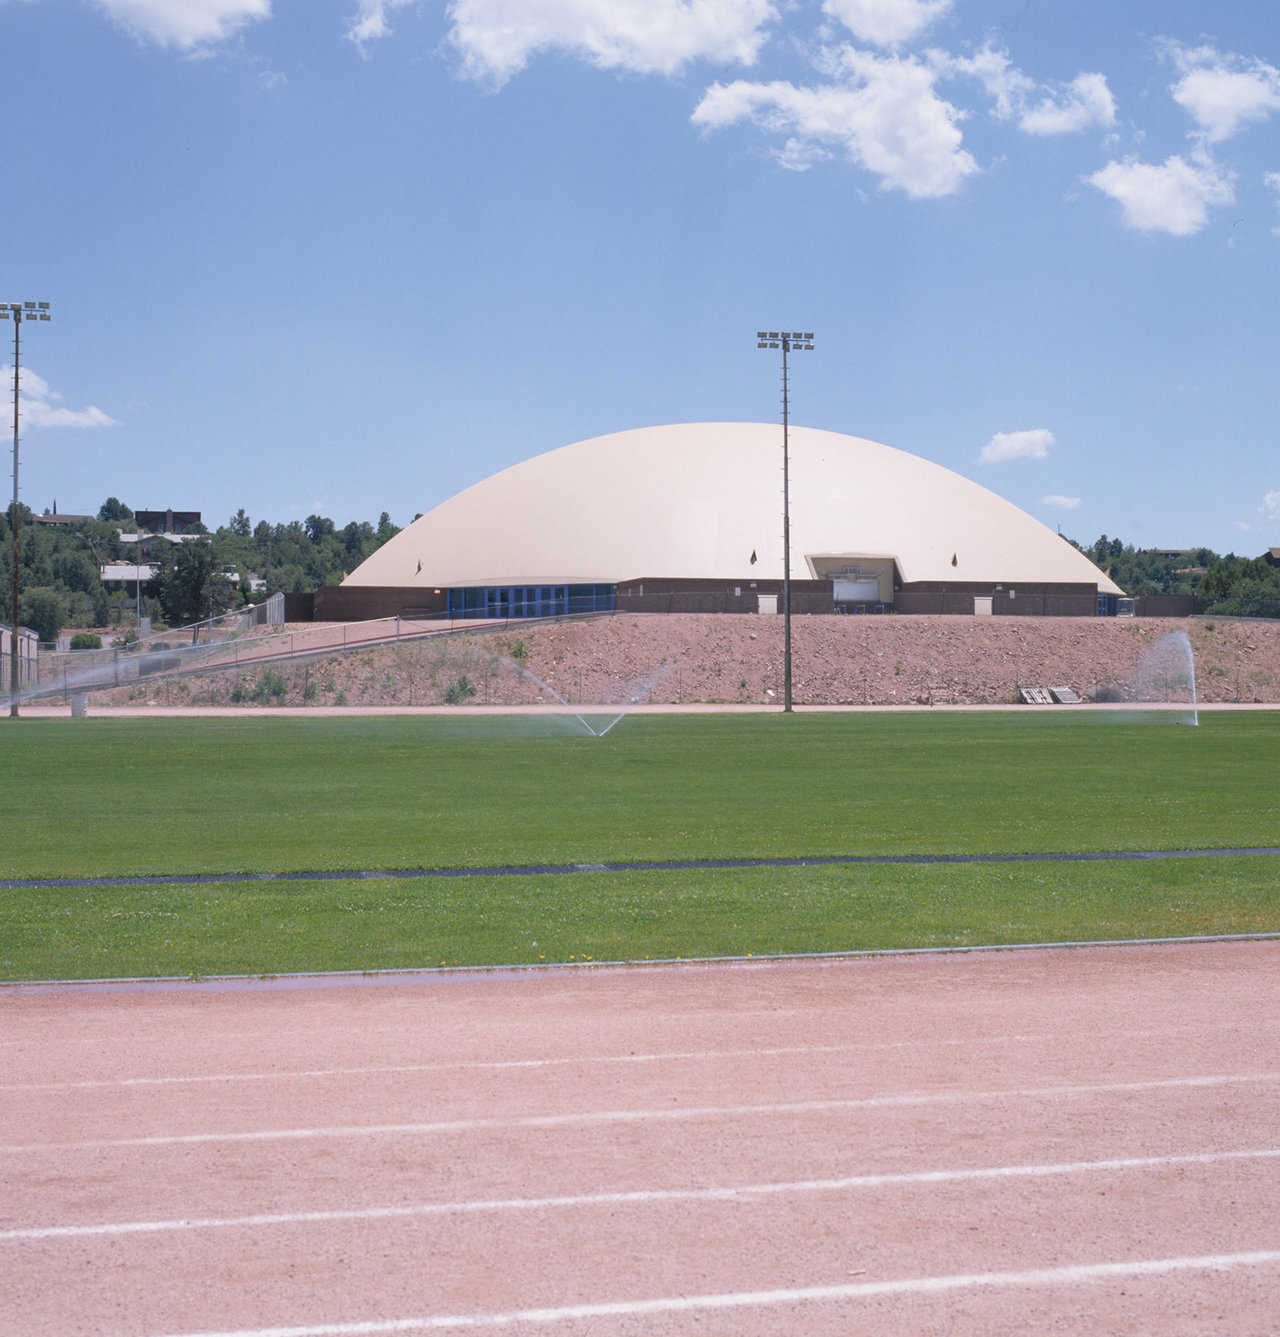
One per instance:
(684, 659)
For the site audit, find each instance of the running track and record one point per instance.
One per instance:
(1080, 1141)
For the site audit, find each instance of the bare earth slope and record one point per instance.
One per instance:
(680, 659)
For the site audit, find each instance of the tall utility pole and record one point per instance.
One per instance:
(789, 342)
(17, 312)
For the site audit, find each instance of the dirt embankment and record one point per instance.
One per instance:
(681, 659)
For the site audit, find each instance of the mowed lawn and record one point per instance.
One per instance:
(128, 797)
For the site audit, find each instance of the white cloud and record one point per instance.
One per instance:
(1086, 101)
(496, 38)
(1040, 109)
(886, 117)
(1056, 499)
(1032, 444)
(39, 407)
(886, 22)
(1223, 92)
(369, 23)
(798, 155)
(1005, 84)
(185, 24)
(1173, 197)
(1270, 507)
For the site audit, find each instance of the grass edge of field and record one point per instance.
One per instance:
(370, 925)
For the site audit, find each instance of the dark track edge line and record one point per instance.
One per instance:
(632, 866)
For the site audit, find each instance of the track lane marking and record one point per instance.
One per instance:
(1079, 1274)
(727, 1193)
(642, 1115)
(490, 1065)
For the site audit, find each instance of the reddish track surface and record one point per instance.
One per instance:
(438, 1108)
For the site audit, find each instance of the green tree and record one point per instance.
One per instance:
(1242, 587)
(114, 509)
(44, 610)
(190, 585)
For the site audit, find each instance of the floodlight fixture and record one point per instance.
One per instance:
(789, 343)
(17, 311)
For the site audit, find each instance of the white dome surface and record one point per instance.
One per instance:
(697, 500)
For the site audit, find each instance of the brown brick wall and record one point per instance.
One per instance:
(361, 603)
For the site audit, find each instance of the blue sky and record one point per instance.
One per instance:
(349, 256)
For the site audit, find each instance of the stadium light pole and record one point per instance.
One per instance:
(789, 341)
(17, 312)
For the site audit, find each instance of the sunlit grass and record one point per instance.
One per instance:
(259, 928)
(113, 797)
(140, 796)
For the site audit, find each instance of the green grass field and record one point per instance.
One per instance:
(117, 797)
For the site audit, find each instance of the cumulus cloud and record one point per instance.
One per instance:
(1006, 85)
(886, 22)
(370, 22)
(496, 38)
(1032, 444)
(1083, 103)
(1174, 196)
(1223, 92)
(40, 406)
(885, 116)
(1038, 109)
(1270, 507)
(1061, 503)
(185, 24)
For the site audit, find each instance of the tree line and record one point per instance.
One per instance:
(1227, 585)
(60, 566)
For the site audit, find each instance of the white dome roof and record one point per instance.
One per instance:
(697, 500)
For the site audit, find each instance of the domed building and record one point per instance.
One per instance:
(689, 518)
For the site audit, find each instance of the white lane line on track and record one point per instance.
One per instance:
(587, 1060)
(1080, 1274)
(728, 1193)
(584, 1118)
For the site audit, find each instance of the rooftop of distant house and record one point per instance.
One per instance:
(167, 521)
(56, 517)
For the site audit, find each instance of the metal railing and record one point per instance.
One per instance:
(224, 644)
